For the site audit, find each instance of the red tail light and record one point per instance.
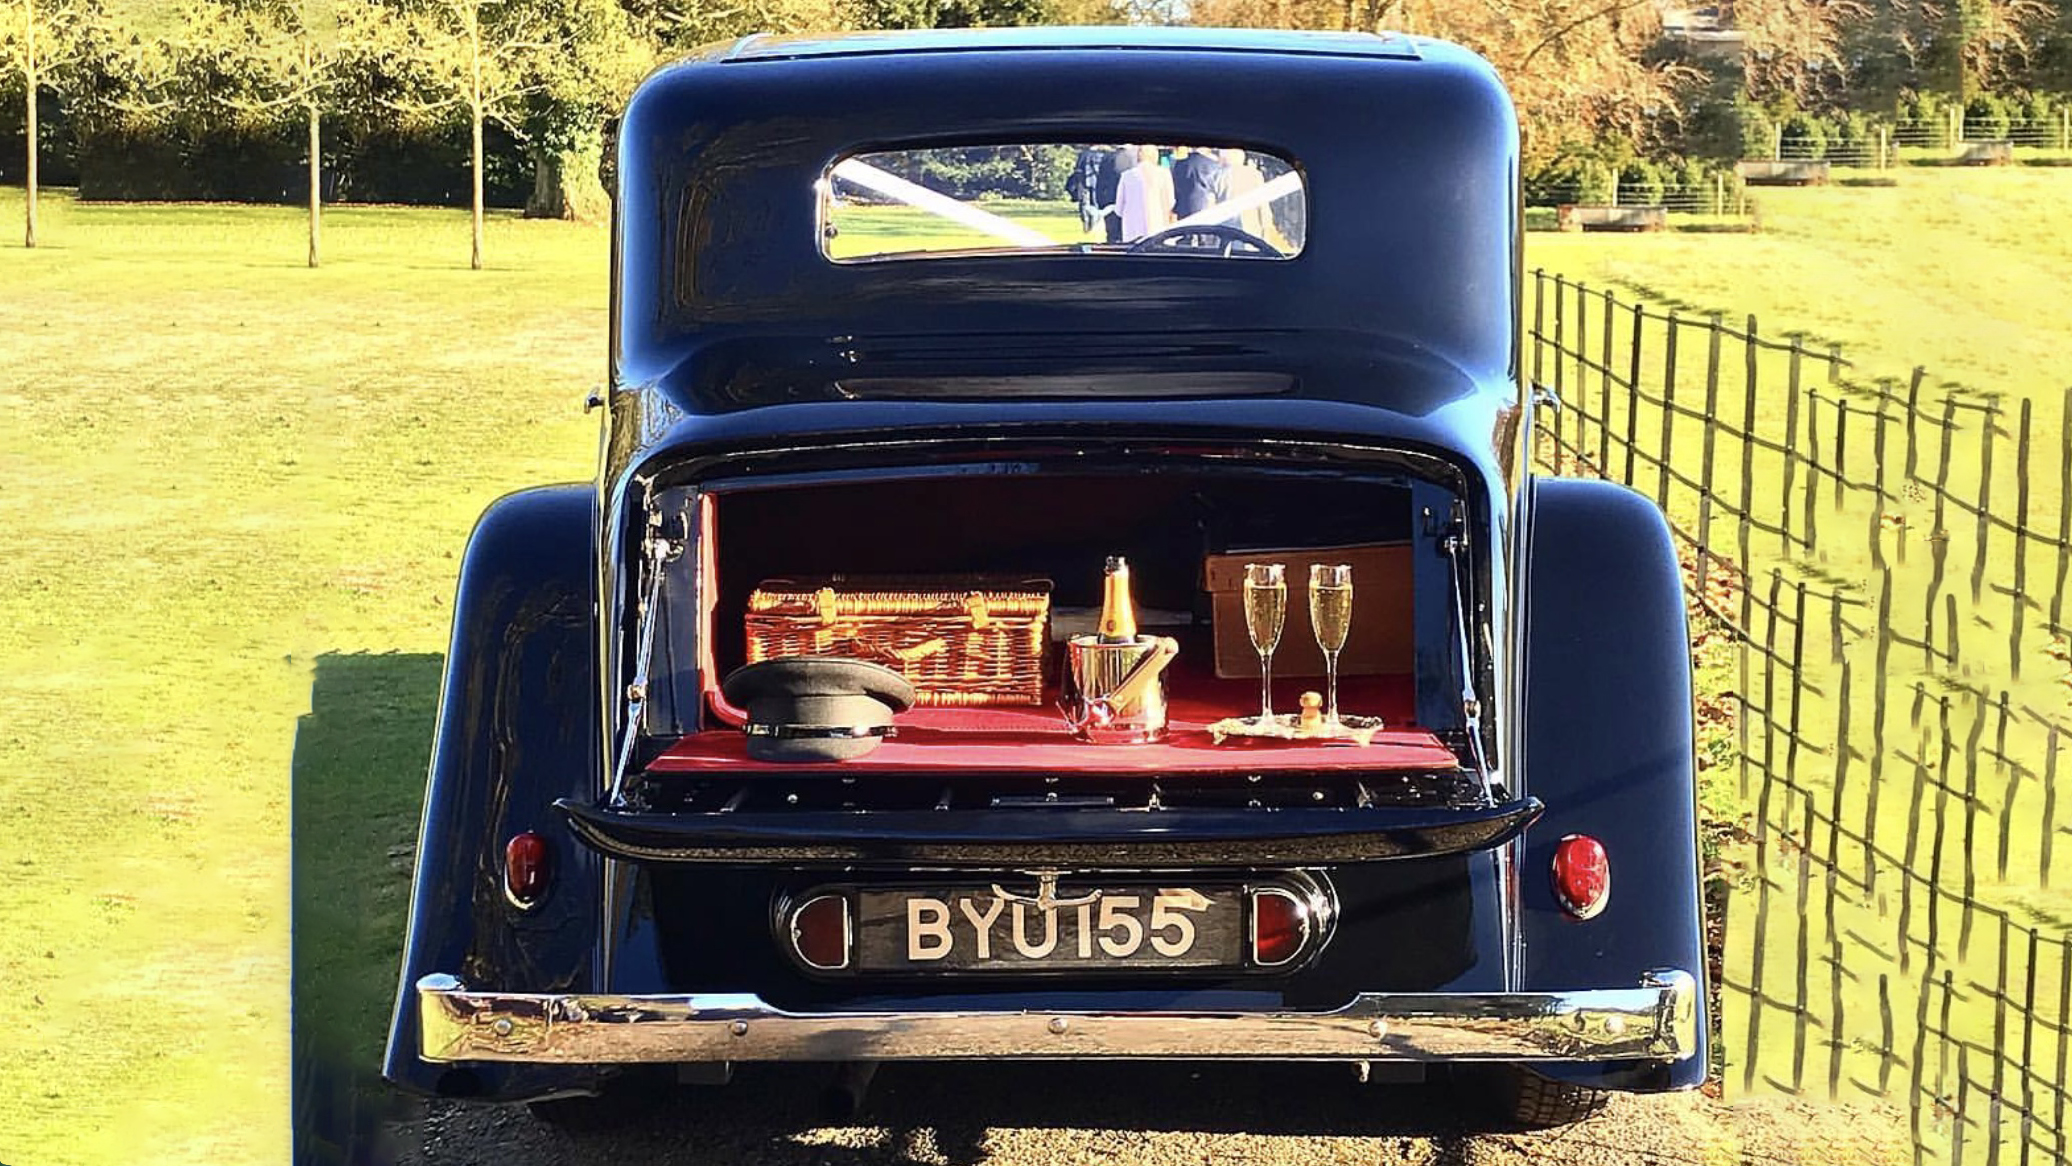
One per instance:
(1582, 875)
(820, 932)
(1280, 926)
(525, 869)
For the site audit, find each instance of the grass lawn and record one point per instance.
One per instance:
(233, 493)
(1952, 269)
(1964, 271)
(869, 230)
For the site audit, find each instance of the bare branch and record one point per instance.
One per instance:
(421, 106)
(247, 105)
(1562, 32)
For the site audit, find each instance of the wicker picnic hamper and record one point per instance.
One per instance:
(966, 640)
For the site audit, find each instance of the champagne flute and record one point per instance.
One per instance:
(1331, 617)
(1266, 612)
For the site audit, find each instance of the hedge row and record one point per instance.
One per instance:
(1592, 179)
(1922, 120)
(219, 161)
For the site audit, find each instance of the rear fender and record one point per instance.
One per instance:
(1606, 689)
(518, 728)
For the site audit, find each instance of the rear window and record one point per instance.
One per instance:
(1164, 199)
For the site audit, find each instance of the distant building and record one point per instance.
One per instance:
(1705, 32)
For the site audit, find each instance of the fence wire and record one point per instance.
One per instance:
(1891, 563)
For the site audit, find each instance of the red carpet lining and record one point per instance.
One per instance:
(1024, 739)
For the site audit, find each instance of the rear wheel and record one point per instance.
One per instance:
(1524, 1100)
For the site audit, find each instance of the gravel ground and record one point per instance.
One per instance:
(1158, 1115)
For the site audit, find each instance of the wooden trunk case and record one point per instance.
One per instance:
(958, 640)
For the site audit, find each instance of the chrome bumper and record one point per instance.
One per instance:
(1656, 1021)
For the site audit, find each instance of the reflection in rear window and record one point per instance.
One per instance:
(1207, 201)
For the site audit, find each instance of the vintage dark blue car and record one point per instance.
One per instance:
(1025, 375)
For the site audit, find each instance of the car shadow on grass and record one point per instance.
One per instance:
(356, 787)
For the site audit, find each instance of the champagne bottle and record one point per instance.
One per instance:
(1118, 614)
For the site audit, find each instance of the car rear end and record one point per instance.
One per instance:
(987, 884)
(609, 879)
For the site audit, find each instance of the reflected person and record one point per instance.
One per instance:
(1083, 185)
(1198, 182)
(1241, 178)
(1144, 197)
(1115, 163)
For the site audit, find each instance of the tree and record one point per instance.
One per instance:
(1577, 69)
(1958, 48)
(1996, 38)
(272, 55)
(475, 54)
(1795, 51)
(946, 13)
(2050, 60)
(79, 45)
(35, 43)
(1893, 53)
(513, 62)
(563, 120)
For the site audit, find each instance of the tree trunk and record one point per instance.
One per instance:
(476, 124)
(566, 183)
(547, 200)
(29, 231)
(475, 113)
(316, 183)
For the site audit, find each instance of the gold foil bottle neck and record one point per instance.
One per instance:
(1118, 613)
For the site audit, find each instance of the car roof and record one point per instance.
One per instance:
(1409, 163)
(771, 47)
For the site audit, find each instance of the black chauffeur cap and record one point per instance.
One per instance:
(816, 708)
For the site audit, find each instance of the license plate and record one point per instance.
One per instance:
(982, 929)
